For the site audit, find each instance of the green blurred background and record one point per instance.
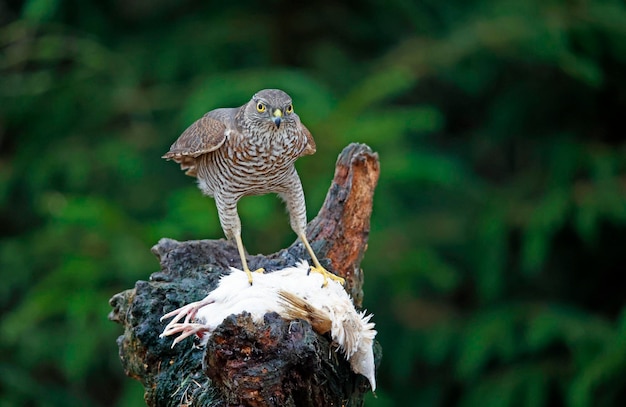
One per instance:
(495, 267)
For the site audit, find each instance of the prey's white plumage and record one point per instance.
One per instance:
(292, 294)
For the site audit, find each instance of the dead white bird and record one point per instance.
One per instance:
(293, 295)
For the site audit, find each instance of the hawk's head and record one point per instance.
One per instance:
(271, 106)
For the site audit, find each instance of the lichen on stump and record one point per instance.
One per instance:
(275, 363)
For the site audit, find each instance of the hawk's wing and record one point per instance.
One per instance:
(203, 136)
(310, 143)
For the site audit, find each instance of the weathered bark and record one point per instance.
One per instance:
(277, 363)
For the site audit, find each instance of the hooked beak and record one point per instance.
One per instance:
(278, 115)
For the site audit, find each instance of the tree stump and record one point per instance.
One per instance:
(277, 363)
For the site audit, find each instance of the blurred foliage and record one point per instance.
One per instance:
(499, 228)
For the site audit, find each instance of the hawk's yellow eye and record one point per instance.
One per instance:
(289, 109)
(260, 107)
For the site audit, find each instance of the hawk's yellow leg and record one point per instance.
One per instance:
(317, 267)
(244, 263)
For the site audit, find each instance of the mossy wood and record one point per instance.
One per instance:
(277, 363)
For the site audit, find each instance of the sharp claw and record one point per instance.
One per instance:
(326, 274)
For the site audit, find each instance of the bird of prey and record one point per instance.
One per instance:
(328, 310)
(250, 150)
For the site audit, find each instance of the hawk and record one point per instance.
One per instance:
(250, 150)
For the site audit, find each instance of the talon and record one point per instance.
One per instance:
(317, 267)
(326, 274)
(249, 273)
(247, 270)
